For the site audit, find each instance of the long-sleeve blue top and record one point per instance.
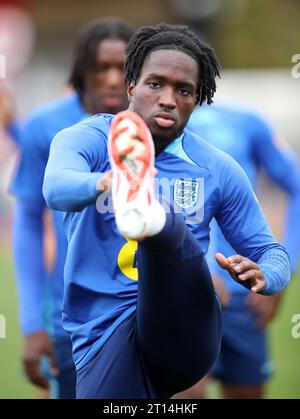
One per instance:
(199, 180)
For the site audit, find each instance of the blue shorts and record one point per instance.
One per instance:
(64, 385)
(243, 358)
(118, 371)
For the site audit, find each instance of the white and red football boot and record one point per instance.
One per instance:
(131, 150)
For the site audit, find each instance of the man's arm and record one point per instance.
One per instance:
(261, 264)
(70, 182)
(281, 164)
(30, 273)
(29, 263)
(28, 251)
(268, 276)
(217, 273)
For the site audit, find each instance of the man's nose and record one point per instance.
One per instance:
(115, 77)
(167, 98)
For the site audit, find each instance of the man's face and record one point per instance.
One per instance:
(165, 94)
(104, 83)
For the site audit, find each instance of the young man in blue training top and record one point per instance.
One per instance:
(243, 366)
(160, 335)
(97, 76)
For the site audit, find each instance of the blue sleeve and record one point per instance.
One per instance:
(275, 264)
(282, 166)
(70, 177)
(245, 227)
(291, 235)
(28, 181)
(215, 238)
(28, 226)
(14, 131)
(29, 266)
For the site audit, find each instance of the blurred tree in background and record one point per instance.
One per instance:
(265, 35)
(245, 33)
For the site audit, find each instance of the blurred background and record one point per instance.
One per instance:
(255, 42)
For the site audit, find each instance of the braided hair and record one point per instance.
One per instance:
(175, 37)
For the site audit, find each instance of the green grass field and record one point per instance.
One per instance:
(12, 381)
(285, 349)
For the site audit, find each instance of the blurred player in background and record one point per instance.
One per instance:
(9, 136)
(97, 77)
(140, 339)
(244, 366)
(17, 38)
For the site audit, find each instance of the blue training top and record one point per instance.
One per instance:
(100, 272)
(39, 290)
(253, 144)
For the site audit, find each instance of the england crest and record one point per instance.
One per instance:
(186, 193)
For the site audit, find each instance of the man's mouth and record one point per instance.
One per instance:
(113, 100)
(165, 120)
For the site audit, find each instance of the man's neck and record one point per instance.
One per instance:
(160, 145)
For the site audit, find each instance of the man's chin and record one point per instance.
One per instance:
(165, 135)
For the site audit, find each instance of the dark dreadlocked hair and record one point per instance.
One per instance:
(87, 43)
(175, 37)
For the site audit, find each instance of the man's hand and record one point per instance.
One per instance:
(105, 181)
(221, 289)
(243, 270)
(36, 346)
(264, 307)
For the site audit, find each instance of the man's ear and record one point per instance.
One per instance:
(130, 92)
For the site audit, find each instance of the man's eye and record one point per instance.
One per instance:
(184, 92)
(153, 85)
